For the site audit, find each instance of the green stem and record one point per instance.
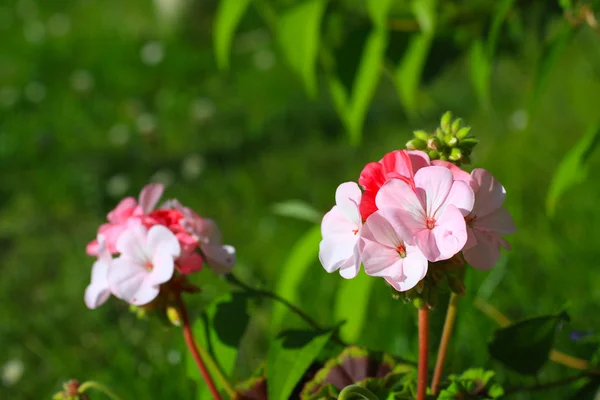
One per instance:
(423, 352)
(443, 349)
(98, 386)
(212, 365)
(354, 392)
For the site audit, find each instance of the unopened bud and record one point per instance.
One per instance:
(443, 157)
(446, 120)
(174, 315)
(433, 154)
(416, 144)
(451, 141)
(455, 154)
(456, 126)
(418, 302)
(468, 143)
(463, 132)
(434, 143)
(421, 135)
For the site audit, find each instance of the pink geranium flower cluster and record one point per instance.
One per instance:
(413, 212)
(141, 248)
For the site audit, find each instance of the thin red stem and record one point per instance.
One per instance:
(423, 352)
(443, 350)
(191, 344)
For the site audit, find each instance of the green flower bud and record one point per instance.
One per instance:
(443, 157)
(416, 144)
(446, 120)
(451, 141)
(456, 125)
(433, 154)
(455, 154)
(468, 143)
(174, 315)
(421, 135)
(418, 302)
(463, 132)
(434, 143)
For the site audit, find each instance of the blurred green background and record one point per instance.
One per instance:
(98, 98)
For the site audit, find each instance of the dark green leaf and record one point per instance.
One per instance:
(572, 169)
(525, 346)
(228, 16)
(590, 391)
(289, 358)
(352, 304)
(299, 36)
(500, 14)
(480, 72)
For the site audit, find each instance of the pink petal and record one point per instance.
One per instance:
(471, 239)
(415, 260)
(160, 237)
(498, 220)
(335, 226)
(457, 173)
(347, 198)
(381, 260)
(419, 159)
(149, 196)
(92, 248)
(486, 253)
(335, 255)
(126, 277)
(208, 229)
(220, 258)
(122, 211)
(397, 194)
(190, 263)
(426, 242)
(163, 265)
(450, 233)
(378, 229)
(461, 196)
(367, 204)
(490, 194)
(132, 243)
(414, 269)
(433, 185)
(372, 177)
(397, 161)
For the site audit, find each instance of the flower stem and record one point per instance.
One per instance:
(193, 348)
(423, 352)
(443, 349)
(353, 392)
(98, 386)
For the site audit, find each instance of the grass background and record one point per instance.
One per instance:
(97, 98)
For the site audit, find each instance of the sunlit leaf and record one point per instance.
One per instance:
(365, 83)
(228, 16)
(378, 11)
(480, 72)
(298, 33)
(525, 346)
(352, 304)
(425, 11)
(297, 209)
(302, 257)
(410, 69)
(288, 359)
(572, 169)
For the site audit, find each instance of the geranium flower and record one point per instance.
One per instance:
(98, 291)
(384, 253)
(430, 216)
(487, 221)
(341, 226)
(399, 164)
(147, 260)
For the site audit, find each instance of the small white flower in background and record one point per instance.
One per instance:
(12, 371)
(152, 53)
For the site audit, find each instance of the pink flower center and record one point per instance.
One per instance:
(148, 266)
(355, 231)
(430, 222)
(401, 250)
(470, 219)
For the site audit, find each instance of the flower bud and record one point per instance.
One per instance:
(451, 141)
(443, 157)
(456, 125)
(455, 154)
(416, 144)
(421, 135)
(463, 132)
(433, 154)
(446, 120)
(418, 302)
(174, 315)
(434, 143)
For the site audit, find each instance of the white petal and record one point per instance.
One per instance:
(163, 265)
(333, 255)
(126, 277)
(220, 258)
(160, 236)
(132, 243)
(96, 295)
(347, 198)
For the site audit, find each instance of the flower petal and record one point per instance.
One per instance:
(433, 185)
(457, 173)
(490, 194)
(220, 258)
(498, 220)
(486, 253)
(163, 265)
(372, 177)
(461, 196)
(419, 159)
(126, 277)
(397, 161)
(336, 254)
(380, 230)
(347, 198)
(149, 196)
(450, 233)
(122, 211)
(426, 242)
(132, 242)
(414, 269)
(381, 260)
(96, 295)
(190, 263)
(397, 194)
(160, 236)
(367, 204)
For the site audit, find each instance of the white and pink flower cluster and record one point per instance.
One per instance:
(151, 247)
(413, 211)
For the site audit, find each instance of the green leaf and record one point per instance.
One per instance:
(378, 11)
(525, 346)
(480, 72)
(365, 83)
(302, 257)
(550, 55)
(425, 11)
(500, 14)
(289, 358)
(410, 69)
(590, 391)
(297, 209)
(228, 17)
(352, 304)
(219, 331)
(572, 169)
(298, 32)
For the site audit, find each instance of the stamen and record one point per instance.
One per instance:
(148, 266)
(401, 250)
(355, 231)
(430, 223)
(469, 220)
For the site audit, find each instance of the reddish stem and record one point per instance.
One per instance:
(191, 344)
(423, 352)
(443, 350)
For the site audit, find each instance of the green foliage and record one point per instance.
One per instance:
(352, 306)
(481, 69)
(298, 33)
(288, 359)
(474, 383)
(228, 17)
(297, 209)
(573, 168)
(525, 346)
